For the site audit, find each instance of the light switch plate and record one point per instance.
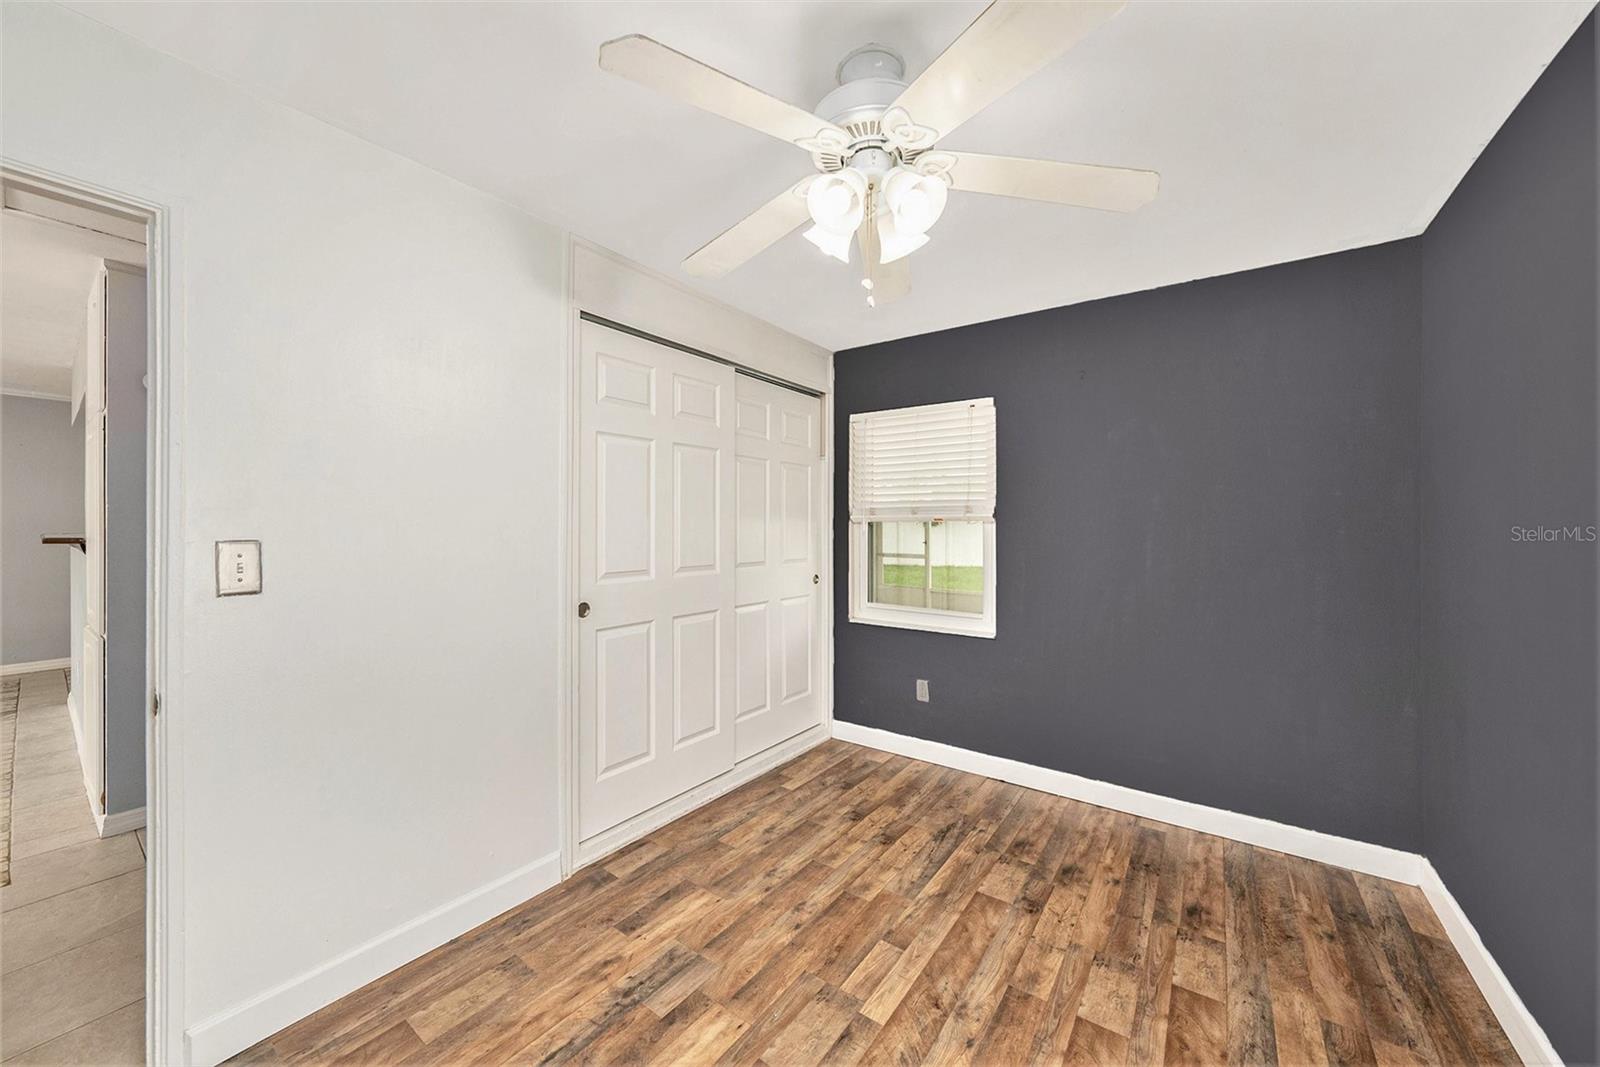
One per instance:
(922, 690)
(238, 568)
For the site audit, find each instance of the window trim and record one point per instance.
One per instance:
(933, 620)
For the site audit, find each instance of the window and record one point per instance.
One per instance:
(922, 490)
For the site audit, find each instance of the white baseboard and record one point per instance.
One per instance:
(1377, 860)
(120, 822)
(8, 669)
(1524, 1031)
(235, 1029)
(608, 841)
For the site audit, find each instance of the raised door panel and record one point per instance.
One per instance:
(752, 510)
(625, 478)
(625, 695)
(625, 383)
(754, 645)
(696, 694)
(753, 418)
(696, 508)
(796, 428)
(798, 634)
(797, 522)
(693, 398)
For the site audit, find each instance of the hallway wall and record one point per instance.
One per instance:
(41, 492)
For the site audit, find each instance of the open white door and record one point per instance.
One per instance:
(779, 602)
(656, 543)
(91, 687)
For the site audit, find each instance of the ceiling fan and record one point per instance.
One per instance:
(880, 181)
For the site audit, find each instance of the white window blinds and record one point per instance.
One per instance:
(916, 464)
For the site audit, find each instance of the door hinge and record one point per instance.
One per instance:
(155, 704)
(102, 801)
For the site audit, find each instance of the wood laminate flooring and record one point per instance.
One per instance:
(857, 907)
(72, 918)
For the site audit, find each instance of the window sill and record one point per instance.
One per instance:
(931, 623)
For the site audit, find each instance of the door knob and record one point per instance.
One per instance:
(815, 578)
(583, 609)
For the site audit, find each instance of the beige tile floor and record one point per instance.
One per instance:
(72, 919)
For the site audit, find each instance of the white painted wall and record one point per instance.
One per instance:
(371, 357)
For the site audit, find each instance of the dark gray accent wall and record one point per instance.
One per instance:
(1508, 647)
(1207, 543)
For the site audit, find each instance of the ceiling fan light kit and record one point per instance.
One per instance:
(837, 202)
(879, 183)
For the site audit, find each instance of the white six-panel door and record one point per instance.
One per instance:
(656, 671)
(778, 489)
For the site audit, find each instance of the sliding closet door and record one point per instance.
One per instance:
(656, 548)
(778, 615)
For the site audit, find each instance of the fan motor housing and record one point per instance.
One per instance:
(870, 79)
(860, 101)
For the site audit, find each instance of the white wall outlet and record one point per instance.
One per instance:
(922, 690)
(238, 568)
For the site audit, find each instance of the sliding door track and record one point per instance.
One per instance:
(739, 368)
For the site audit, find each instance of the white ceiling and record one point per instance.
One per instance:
(1281, 130)
(46, 270)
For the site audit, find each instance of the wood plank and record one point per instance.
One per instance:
(813, 1031)
(919, 1014)
(1251, 1038)
(1296, 1015)
(872, 970)
(1393, 1024)
(1083, 932)
(1346, 1046)
(970, 1017)
(1464, 1001)
(1398, 944)
(1331, 981)
(1009, 1037)
(1197, 1030)
(1147, 1039)
(853, 1043)
(1095, 1045)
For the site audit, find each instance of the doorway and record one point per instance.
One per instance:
(77, 336)
(700, 532)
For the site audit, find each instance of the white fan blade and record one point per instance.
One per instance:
(890, 281)
(653, 64)
(1010, 42)
(1079, 184)
(768, 224)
